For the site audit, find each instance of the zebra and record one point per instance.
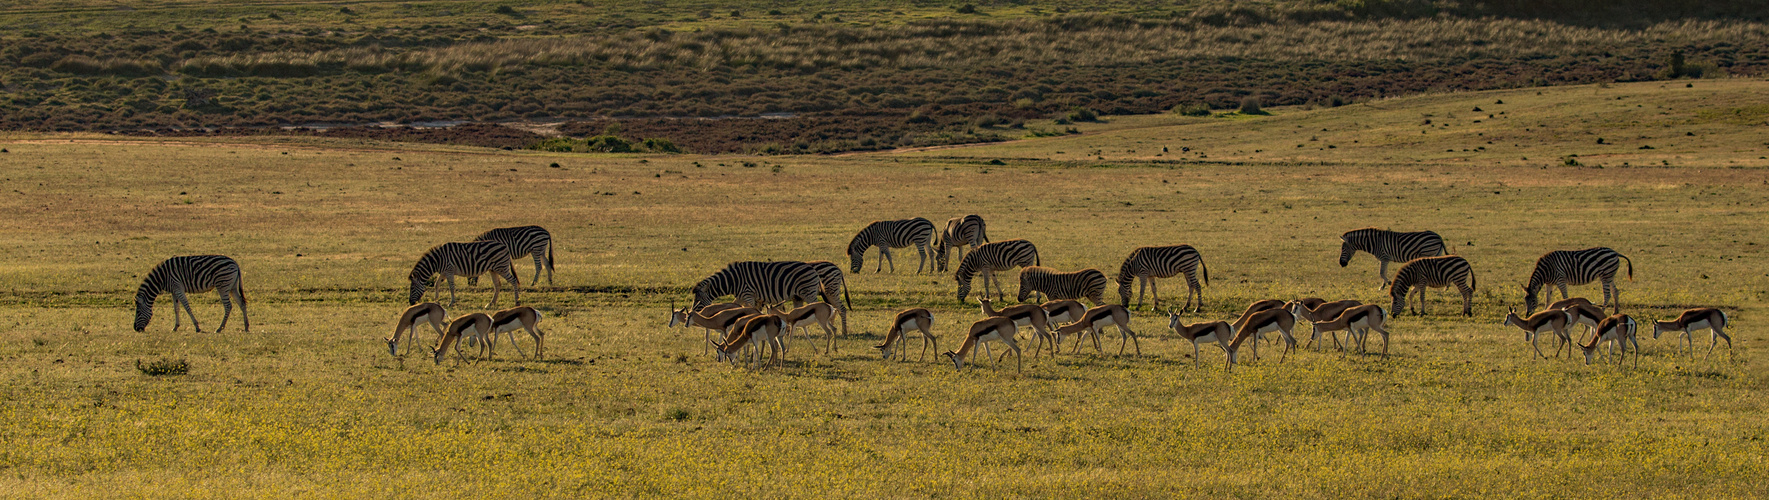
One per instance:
(1086, 283)
(465, 259)
(992, 257)
(1388, 246)
(834, 283)
(1433, 272)
(758, 284)
(888, 234)
(191, 274)
(1577, 267)
(968, 231)
(1149, 263)
(523, 241)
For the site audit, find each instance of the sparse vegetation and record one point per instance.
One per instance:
(163, 367)
(623, 406)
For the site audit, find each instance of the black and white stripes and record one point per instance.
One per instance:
(992, 257)
(1576, 267)
(1433, 272)
(191, 274)
(522, 242)
(1149, 263)
(1389, 246)
(1086, 283)
(888, 234)
(968, 231)
(465, 259)
(758, 284)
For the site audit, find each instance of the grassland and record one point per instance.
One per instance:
(309, 404)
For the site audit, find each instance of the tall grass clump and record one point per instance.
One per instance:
(163, 367)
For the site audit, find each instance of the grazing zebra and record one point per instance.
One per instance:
(1388, 246)
(523, 241)
(888, 234)
(465, 259)
(757, 284)
(992, 257)
(1149, 263)
(1433, 272)
(191, 274)
(1576, 267)
(834, 283)
(1086, 283)
(967, 231)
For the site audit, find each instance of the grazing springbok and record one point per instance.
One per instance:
(1357, 323)
(763, 329)
(1320, 311)
(990, 329)
(720, 320)
(1586, 314)
(1209, 332)
(821, 314)
(1058, 312)
(1618, 330)
(1097, 318)
(1557, 321)
(519, 318)
(911, 319)
(428, 312)
(1026, 315)
(1695, 319)
(476, 325)
(1260, 322)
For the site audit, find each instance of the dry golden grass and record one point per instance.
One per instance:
(309, 403)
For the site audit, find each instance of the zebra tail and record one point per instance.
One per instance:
(1630, 266)
(1205, 267)
(549, 254)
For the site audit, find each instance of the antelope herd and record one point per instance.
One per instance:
(756, 323)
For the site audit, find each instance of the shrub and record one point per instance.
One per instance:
(1081, 114)
(661, 145)
(1194, 109)
(987, 121)
(967, 9)
(163, 367)
(1250, 106)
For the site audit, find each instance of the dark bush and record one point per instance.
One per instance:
(1193, 109)
(163, 367)
(1250, 106)
(1082, 114)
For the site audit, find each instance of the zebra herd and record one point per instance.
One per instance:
(819, 292)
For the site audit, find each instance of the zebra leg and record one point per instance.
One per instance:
(1154, 294)
(1467, 299)
(239, 292)
(922, 249)
(184, 301)
(451, 289)
(226, 309)
(1382, 273)
(884, 254)
(537, 270)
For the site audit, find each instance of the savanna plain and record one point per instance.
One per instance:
(309, 403)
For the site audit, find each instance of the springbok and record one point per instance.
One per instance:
(721, 321)
(1320, 311)
(681, 317)
(990, 329)
(912, 319)
(519, 318)
(1357, 323)
(1210, 332)
(476, 325)
(1260, 322)
(1026, 315)
(821, 314)
(1097, 318)
(1695, 319)
(1618, 330)
(763, 329)
(1549, 320)
(428, 312)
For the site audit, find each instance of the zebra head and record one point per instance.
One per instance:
(1529, 301)
(144, 311)
(857, 250)
(1346, 248)
(1399, 293)
(417, 292)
